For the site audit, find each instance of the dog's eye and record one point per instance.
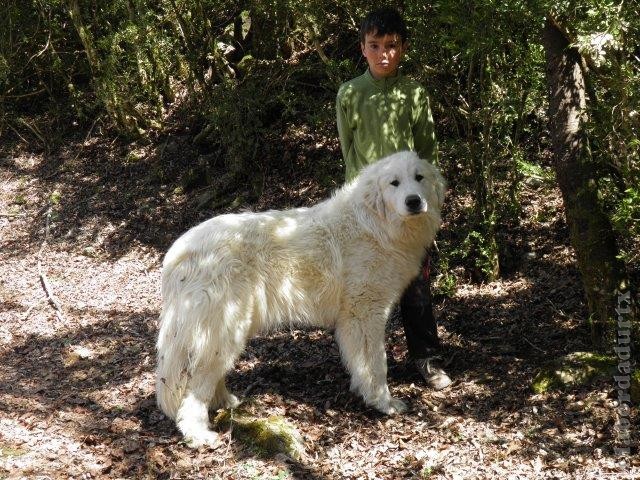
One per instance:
(419, 177)
(395, 183)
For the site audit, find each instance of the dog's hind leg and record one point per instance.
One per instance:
(206, 388)
(362, 348)
(193, 415)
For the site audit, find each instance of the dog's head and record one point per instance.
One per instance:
(404, 185)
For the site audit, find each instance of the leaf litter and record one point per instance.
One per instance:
(77, 397)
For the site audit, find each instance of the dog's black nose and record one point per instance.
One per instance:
(413, 203)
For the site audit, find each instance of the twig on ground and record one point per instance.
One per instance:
(556, 309)
(43, 277)
(17, 133)
(534, 346)
(34, 129)
(12, 215)
(50, 297)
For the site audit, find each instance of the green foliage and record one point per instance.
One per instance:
(236, 106)
(257, 72)
(627, 216)
(606, 33)
(268, 103)
(534, 172)
(486, 76)
(635, 386)
(445, 281)
(626, 221)
(481, 250)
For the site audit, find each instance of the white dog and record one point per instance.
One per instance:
(341, 264)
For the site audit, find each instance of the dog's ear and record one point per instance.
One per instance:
(373, 198)
(439, 185)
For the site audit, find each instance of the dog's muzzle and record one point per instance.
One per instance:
(414, 204)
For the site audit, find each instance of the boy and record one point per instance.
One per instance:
(379, 113)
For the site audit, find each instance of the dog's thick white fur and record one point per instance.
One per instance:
(341, 264)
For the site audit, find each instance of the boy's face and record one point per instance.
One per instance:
(383, 53)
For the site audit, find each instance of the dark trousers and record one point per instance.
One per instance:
(417, 317)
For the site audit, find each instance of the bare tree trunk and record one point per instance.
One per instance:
(591, 232)
(85, 36)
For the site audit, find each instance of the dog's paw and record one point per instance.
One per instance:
(204, 438)
(394, 406)
(230, 401)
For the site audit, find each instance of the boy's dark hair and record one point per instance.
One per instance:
(383, 21)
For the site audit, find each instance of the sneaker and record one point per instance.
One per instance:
(430, 368)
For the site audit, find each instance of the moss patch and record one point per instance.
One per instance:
(577, 368)
(7, 451)
(267, 436)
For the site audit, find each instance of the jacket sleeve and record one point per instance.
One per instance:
(424, 133)
(344, 129)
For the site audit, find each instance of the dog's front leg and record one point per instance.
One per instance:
(361, 345)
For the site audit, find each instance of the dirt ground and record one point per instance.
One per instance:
(77, 382)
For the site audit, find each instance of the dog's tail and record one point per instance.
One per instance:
(172, 372)
(171, 377)
(172, 369)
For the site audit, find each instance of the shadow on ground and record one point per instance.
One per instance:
(115, 195)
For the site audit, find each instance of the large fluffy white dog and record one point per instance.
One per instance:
(341, 264)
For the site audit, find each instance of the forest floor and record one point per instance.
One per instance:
(77, 382)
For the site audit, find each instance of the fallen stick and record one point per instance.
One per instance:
(47, 289)
(44, 281)
(534, 346)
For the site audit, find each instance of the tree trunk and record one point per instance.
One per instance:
(120, 110)
(85, 36)
(591, 233)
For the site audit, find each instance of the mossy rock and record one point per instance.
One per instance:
(267, 436)
(577, 368)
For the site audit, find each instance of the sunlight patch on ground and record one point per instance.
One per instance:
(500, 289)
(37, 448)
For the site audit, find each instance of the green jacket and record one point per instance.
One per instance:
(379, 117)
